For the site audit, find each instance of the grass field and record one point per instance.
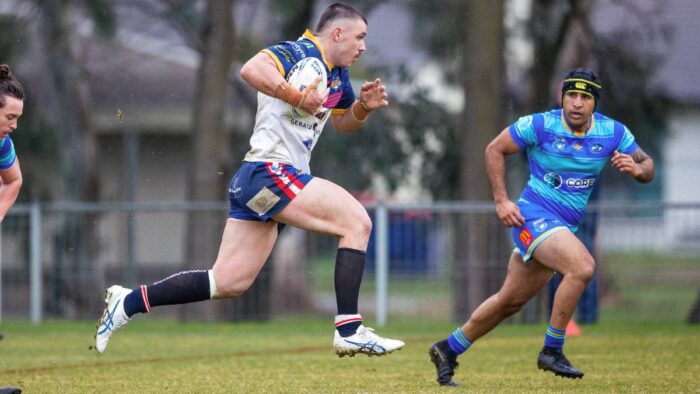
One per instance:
(295, 355)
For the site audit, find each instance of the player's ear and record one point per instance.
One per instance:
(336, 34)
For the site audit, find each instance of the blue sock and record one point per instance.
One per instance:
(554, 338)
(458, 342)
(136, 301)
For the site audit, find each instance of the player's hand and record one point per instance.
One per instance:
(373, 95)
(625, 163)
(509, 213)
(313, 99)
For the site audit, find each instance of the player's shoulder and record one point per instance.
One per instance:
(607, 124)
(5, 140)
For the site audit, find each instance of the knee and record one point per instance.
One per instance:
(585, 271)
(361, 226)
(228, 287)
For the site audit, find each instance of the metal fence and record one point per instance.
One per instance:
(421, 261)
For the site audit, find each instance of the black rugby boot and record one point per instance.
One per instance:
(555, 361)
(445, 363)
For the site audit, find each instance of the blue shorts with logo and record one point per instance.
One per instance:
(260, 190)
(539, 225)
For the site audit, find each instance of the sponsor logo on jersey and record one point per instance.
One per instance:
(577, 146)
(596, 148)
(553, 179)
(276, 168)
(297, 49)
(580, 183)
(309, 143)
(525, 237)
(540, 224)
(297, 122)
(335, 83)
(556, 180)
(559, 143)
(524, 122)
(284, 52)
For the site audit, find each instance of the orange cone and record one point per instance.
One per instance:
(572, 329)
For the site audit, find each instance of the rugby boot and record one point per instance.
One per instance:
(113, 316)
(445, 363)
(554, 360)
(365, 341)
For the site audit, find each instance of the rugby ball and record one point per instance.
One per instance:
(303, 74)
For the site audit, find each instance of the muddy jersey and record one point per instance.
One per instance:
(278, 135)
(565, 166)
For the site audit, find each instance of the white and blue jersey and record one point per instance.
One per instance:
(7, 153)
(276, 169)
(278, 135)
(564, 168)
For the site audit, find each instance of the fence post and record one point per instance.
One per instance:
(382, 268)
(35, 282)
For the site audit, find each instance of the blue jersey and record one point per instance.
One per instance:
(565, 166)
(7, 153)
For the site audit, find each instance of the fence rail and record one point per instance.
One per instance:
(44, 268)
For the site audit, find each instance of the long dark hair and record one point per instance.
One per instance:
(9, 85)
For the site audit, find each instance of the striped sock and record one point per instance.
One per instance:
(458, 342)
(347, 324)
(137, 301)
(554, 338)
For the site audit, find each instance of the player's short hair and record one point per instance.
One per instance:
(9, 85)
(338, 11)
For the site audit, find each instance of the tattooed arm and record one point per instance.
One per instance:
(639, 165)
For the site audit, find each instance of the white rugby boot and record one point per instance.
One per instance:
(113, 317)
(365, 341)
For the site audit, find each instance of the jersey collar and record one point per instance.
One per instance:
(576, 133)
(310, 36)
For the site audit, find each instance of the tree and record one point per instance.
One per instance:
(482, 82)
(208, 28)
(72, 118)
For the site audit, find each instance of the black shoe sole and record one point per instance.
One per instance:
(562, 374)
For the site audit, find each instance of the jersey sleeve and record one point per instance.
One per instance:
(286, 54)
(7, 153)
(524, 131)
(347, 95)
(627, 143)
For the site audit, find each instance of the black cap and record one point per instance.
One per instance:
(584, 81)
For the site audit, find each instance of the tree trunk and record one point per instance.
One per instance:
(208, 170)
(482, 82)
(72, 116)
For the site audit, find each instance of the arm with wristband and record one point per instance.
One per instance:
(372, 96)
(262, 74)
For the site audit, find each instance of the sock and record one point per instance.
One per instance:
(554, 338)
(458, 342)
(181, 288)
(347, 324)
(349, 264)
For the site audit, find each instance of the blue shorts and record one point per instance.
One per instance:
(260, 190)
(539, 225)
